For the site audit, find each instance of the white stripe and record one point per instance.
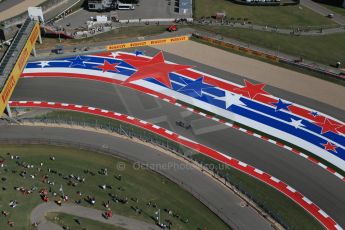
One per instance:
(51, 103)
(91, 108)
(185, 138)
(228, 124)
(338, 227)
(268, 95)
(259, 171)
(215, 119)
(104, 111)
(117, 114)
(322, 165)
(272, 141)
(202, 114)
(168, 132)
(23, 102)
(27, 70)
(312, 148)
(287, 147)
(190, 109)
(64, 104)
(144, 122)
(155, 126)
(251, 123)
(78, 106)
(242, 164)
(291, 189)
(242, 129)
(178, 104)
(275, 179)
(323, 213)
(307, 200)
(130, 118)
(257, 135)
(303, 155)
(339, 175)
(166, 99)
(37, 102)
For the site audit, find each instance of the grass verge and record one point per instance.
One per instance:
(283, 65)
(289, 214)
(281, 16)
(276, 204)
(326, 49)
(141, 184)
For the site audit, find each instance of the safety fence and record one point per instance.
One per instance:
(270, 56)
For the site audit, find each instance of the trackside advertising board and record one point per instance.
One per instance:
(12, 80)
(148, 43)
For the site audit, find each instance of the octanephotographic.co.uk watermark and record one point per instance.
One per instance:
(120, 166)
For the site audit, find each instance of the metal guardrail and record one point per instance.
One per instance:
(10, 57)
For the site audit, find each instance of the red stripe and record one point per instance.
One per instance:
(210, 80)
(145, 90)
(328, 222)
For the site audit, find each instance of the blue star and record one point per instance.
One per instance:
(196, 86)
(77, 61)
(281, 105)
(139, 52)
(314, 113)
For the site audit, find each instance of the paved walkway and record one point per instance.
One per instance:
(212, 193)
(39, 212)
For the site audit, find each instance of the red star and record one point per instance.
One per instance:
(107, 66)
(155, 68)
(330, 146)
(327, 126)
(252, 89)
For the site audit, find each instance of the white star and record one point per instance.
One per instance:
(231, 99)
(43, 64)
(113, 54)
(296, 123)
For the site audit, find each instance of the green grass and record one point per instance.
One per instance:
(64, 219)
(105, 123)
(327, 49)
(282, 208)
(281, 16)
(142, 184)
(336, 9)
(283, 65)
(268, 198)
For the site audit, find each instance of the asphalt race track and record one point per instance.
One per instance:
(323, 188)
(215, 193)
